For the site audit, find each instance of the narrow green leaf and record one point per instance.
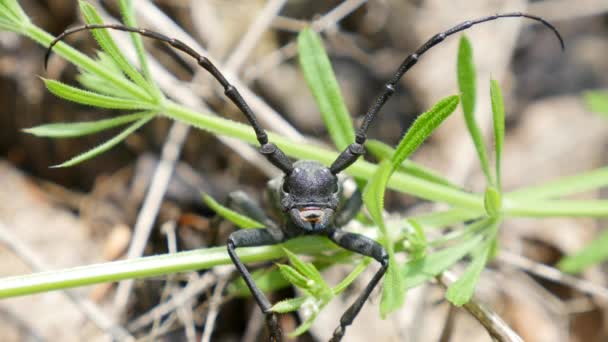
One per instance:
(351, 276)
(441, 219)
(416, 272)
(295, 277)
(239, 220)
(303, 327)
(597, 101)
(13, 15)
(373, 197)
(498, 111)
(98, 84)
(417, 242)
(289, 305)
(128, 16)
(322, 82)
(492, 202)
(266, 279)
(461, 291)
(109, 46)
(381, 151)
(590, 255)
(307, 269)
(77, 129)
(466, 82)
(106, 145)
(93, 99)
(424, 125)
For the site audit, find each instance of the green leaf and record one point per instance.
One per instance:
(381, 151)
(466, 83)
(461, 291)
(306, 268)
(93, 99)
(416, 272)
(289, 305)
(373, 197)
(492, 202)
(351, 276)
(441, 219)
(417, 242)
(109, 46)
(239, 220)
(498, 111)
(303, 327)
(295, 277)
(266, 279)
(12, 16)
(106, 145)
(592, 254)
(597, 101)
(422, 128)
(322, 82)
(127, 12)
(76, 129)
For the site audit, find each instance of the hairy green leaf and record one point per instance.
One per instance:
(77, 129)
(266, 279)
(289, 305)
(93, 99)
(240, 220)
(306, 268)
(466, 83)
(590, 255)
(106, 145)
(109, 46)
(422, 128)
(295, 277)
(322, 82)
(498, 111)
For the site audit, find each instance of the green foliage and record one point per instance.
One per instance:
(112, 82)
(592, 254)
(466, 83)
(322, 82)
(597, 101)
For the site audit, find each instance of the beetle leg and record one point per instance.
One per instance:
(250, 238)
(365, 246)
(350, 209)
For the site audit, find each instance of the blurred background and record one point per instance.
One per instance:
(56, 218)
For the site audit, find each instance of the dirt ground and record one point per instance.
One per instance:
(57, 218)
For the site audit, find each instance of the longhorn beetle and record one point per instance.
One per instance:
(308, 195)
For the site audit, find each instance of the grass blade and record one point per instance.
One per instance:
(93, 99)
(109, 46)
(238, 219)
(590, 255)
(498, 111)
(466, 83)
(322, 82)
(106, 145)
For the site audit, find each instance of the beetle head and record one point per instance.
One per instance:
(310, 195)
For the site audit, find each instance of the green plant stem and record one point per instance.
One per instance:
(556, 208)
(84, 62)
(151, 266)
(361, 169)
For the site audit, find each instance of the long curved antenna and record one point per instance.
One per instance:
(353, 151)
(268, 149)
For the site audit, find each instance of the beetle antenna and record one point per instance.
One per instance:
(268, 149)
(354, 150)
